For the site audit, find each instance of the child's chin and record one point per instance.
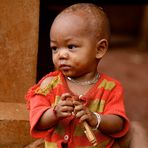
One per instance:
(67, 73)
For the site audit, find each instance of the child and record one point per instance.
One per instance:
(77, 94)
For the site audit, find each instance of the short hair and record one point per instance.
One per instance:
(95, 16)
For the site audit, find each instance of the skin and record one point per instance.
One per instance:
(70, 46)
(77, 53)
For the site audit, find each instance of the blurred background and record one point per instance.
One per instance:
(25, 57)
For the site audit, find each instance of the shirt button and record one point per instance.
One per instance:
(66, 137)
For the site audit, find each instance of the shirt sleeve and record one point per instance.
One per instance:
(38, 100)
(38, 105)
(115, 105)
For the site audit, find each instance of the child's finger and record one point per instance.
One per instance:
(78, 106)
(75, 98)
(67, 109)
(76, 103)
(65, 96)
(82, 115)
(83, 118)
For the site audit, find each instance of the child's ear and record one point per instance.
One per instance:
(101, 49)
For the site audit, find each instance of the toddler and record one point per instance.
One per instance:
(77, 103)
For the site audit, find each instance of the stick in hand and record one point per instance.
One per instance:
(89, 133)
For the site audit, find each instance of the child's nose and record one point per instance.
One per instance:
(63, 54)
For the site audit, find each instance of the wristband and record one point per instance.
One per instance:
(98, 120)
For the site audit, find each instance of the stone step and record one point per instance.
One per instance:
(14, 125)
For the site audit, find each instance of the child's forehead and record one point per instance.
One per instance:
(71, 23)
(76, 18)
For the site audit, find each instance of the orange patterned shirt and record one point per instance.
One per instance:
(105, 97)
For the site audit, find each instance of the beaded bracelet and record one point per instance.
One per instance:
(98, 120)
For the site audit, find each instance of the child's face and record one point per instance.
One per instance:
(73, 46)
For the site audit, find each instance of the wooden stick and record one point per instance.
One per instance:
(89, 134)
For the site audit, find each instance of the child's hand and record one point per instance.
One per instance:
(65, 106)
(83, 113)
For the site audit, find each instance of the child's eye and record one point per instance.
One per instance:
(53, 48)
(71, 46)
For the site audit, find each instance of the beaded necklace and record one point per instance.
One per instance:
(93, 81)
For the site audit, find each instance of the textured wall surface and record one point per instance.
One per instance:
(19, 21)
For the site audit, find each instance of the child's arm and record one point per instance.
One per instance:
(50, 117)
(109, 124)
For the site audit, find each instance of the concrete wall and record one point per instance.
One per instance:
(19, 27)
(19, 21)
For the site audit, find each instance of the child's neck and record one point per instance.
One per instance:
(84, 83)
(79, 87)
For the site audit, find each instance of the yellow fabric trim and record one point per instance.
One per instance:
(50, 145)
(43, 91)
(101, 107)
(56, 82)
(108, 85)
(57, 99)
(97, 105)
(47, 87)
